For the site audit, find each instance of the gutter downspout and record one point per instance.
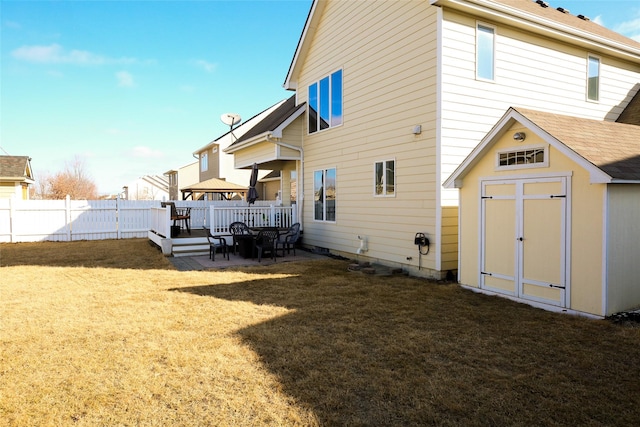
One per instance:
(300, 184)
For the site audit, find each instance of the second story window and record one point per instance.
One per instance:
(593, 78)
(325, 103)
(485, 52)
(204, 162)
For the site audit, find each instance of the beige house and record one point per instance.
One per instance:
(550, 212)
(15, 177)
(392, 96)
(216, 166)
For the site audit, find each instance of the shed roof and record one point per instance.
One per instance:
(15, 168)
(610, 151)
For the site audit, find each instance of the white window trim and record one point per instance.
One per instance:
(395, 186)
(324, 170)
(586, 94)
(493, 65)
(317, 81)
(543, 164)
(204, 162)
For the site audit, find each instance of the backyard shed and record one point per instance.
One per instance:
(550, 213)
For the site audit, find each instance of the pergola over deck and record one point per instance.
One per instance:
(227, 190)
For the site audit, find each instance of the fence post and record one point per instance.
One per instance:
(272, 216)
(12, 214)
(67, 206)
(118, 232)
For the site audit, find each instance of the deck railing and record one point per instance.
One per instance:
(254, 216)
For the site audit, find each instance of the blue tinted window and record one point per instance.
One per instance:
(485, 53)
(313, 108)
(325, 103)
(593, 78)
(336, 98)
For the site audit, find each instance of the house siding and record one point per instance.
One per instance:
(387, 52)
(261, 152)
(530, 71)
(623, 235)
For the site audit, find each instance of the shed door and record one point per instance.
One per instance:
(523, 239)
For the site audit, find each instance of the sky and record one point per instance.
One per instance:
(133, 88)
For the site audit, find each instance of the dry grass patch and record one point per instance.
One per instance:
(291, 344)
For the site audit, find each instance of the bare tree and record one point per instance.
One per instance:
(73, 180)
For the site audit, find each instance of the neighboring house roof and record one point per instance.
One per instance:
(160, 182)
(271, 125)
(631, 114)
(610, 151)
(240, 130)
(16, 169)
(526, 14)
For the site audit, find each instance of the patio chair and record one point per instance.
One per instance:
(266, 242)
(215, 243)
(288, 239)
(180, 215)
(238, 229)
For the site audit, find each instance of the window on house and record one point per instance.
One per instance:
(593, 78)
(325, 103)
(385, 178)
(485, 52)
(204, 162)
(523, 158)
(324, 194)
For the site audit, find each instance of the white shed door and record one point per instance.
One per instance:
(523, 239)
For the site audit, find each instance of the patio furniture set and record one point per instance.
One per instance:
(249, 242)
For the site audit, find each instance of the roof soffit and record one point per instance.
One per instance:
(581, 33)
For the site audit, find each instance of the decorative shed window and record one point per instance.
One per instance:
(523, 158)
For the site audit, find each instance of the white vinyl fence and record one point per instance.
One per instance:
(68, 220)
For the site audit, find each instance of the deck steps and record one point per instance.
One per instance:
(190, 247)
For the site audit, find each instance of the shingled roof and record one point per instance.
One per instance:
(631, 114)
(15, 168)
(612, 147)
(272, 121)
(544, 9)
(610, 151)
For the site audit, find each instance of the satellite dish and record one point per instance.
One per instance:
(230, 119)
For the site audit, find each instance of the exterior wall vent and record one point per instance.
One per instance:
(584, 18)
(542, 3)
(563, 10)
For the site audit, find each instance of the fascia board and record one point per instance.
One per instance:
(540, 25)
(277, 132)
(248, 143)
(303, 44)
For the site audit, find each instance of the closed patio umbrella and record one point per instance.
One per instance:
(252, 195)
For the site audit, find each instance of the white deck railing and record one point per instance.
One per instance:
(254, 216)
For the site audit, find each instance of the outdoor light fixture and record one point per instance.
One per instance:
(519, 136)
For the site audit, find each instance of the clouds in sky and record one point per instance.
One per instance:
(146, 152)
(205, 65)
(56, 54)
(125, 79)
(630, 28)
